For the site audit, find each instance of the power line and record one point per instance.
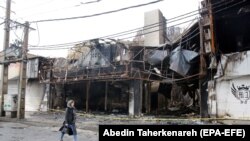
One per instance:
(58, 9)
(69, 45)
(64, 46)
(16, 35)
(5, 8)
(108, 12)
(233, 5)
(8, 52)
(98, 14)
(141, 28)
(50, 11)
(2, 23)
(150, 26)
(38, 34)
(159, 29)
(123, 33)
(180, 17)
(90, 2)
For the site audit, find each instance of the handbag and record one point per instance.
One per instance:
(66, 130)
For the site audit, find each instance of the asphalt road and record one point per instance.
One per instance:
(18, 131)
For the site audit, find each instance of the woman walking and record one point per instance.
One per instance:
(70, 119)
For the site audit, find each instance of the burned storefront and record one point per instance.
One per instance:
(90, 75)
(226, 44)
(202, 71)
(107, 75)
(159, 77)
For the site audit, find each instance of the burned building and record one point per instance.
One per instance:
(226, 41)
(112, 72)
(203, 70)
(107, 75)
(111, 76)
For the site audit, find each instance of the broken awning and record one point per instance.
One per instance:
(180, 60)
(156, 57)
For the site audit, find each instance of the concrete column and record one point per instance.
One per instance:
(135, 97)
(51, 97)
(156, 35)
(131, 103)
(147, 95)
(106, 96)
(87, 95)
(4, 78)
(4, 89)
(59, 100)
(203, 99)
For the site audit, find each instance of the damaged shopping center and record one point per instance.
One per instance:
(204, 70)
(115, 76)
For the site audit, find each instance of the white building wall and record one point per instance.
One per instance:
(34, 95)
(229, 105)
(232, 87)
(13, 87)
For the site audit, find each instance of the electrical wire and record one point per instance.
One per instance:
(233, 5)
(185, 77)
(7, 52)
(90, 2)
(117, 34)
(69, 46)
(16, 35)
(98, 14)
(216, 5)
(159, 29)
(63, 8)
(108, 12)
(111, 36)
(2, 23)
(177, 80)
(38, 34)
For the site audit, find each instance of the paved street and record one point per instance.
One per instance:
(16, 131)
(44, 126)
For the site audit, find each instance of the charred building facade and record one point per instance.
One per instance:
(203, 71)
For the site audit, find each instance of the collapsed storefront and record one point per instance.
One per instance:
(203, 71)
(228, 75)
(106, 75)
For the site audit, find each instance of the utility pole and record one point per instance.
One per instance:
(22, 80)
(4, 81)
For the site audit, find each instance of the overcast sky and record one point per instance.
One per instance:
(83, 29)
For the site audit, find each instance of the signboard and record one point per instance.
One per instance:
(10, 103)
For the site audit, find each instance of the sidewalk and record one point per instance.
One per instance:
(13, 131)
(44, 126)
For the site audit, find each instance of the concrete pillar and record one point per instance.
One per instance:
(106, 96)
(155, 34)
(131, 103)
(59, 100)
(135, 97)
(203, 98)
(87, 95)
(147, 97)
(51, 97)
